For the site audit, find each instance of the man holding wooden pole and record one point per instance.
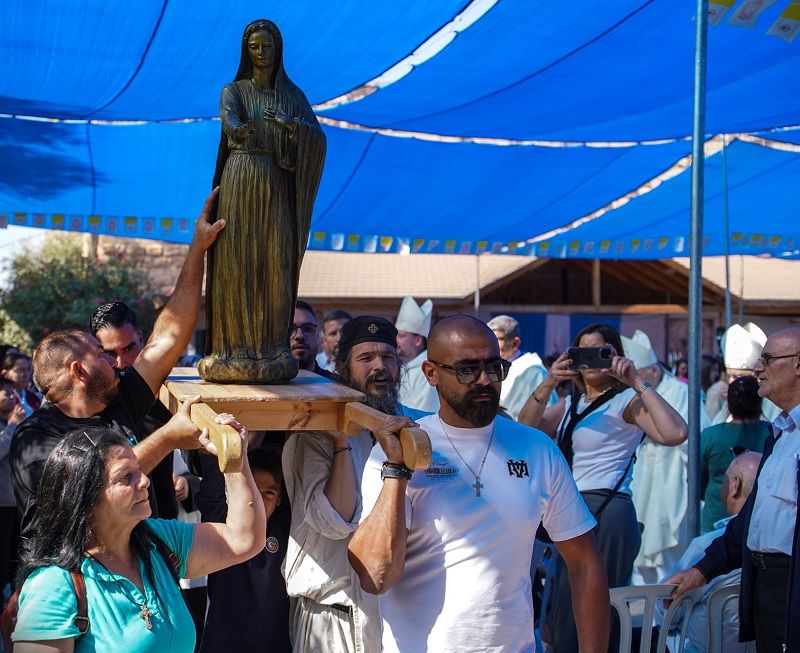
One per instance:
(322, 472)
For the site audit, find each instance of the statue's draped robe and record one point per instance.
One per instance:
(266, 197)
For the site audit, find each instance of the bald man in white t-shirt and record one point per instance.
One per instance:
(449, 547)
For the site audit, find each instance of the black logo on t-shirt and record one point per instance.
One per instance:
(518, 468)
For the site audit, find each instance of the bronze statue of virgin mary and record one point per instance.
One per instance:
(269, 167)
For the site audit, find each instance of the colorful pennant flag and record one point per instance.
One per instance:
(748, 13)
(788, 24)
(717, 10)
(353, 242)
(57, 221)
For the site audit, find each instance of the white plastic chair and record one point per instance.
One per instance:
(717, 602)
(623, 597)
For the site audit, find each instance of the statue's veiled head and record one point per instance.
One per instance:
(262, 46)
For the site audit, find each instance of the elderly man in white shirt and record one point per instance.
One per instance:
(762, 539)
(527, 370)
(736, 487)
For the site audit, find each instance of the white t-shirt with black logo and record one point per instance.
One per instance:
(466, 583)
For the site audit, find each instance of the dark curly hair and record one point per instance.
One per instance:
(744, 401)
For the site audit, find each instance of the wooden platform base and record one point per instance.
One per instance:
(309, 403)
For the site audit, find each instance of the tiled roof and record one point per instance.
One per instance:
(754, 279)
(355, 275)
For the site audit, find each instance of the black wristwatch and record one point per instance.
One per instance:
(395, 470)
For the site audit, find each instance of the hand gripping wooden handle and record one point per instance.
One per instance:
(415, 442)
(226, 438)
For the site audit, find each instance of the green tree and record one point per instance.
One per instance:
(57, 287)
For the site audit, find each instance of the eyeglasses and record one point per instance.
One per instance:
(307, 329)
(766, 359)
(466, 373)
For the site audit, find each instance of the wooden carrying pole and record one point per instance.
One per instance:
(309, 403)
(415, 442)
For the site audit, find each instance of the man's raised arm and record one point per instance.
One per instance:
(174, 326)
(377, 550)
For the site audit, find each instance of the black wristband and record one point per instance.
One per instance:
(395, 470)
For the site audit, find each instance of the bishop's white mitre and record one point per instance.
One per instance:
(413, 318)
(742, 345)
(639, 350)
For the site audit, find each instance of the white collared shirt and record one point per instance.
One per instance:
(775, 509)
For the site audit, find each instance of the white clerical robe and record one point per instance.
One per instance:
(661, 492)
(415, 392)
(526, 373)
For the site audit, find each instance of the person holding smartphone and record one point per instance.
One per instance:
(598, 430)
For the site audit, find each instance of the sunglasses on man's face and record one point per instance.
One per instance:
(466, 373)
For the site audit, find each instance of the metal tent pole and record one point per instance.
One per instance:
(696, 257)
(727, 229)
(476, 309)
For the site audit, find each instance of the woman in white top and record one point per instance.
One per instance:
(599, 436)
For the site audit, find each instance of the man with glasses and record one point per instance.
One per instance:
(763, 538)
(449, 548)
(303, 339)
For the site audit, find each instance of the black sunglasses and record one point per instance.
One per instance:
(466, 373)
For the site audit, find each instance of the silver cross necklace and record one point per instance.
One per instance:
(144, 612)
(477, 484)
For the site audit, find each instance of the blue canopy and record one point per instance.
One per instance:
(437, 155)
(762, 207)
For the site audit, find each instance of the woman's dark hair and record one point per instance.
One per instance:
(71, 483)
(707, 379)
(744, 401)
(611, 337)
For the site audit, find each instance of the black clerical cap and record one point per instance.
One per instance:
(366, 328)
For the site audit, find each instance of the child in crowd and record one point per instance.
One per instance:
(11, 414)
(16, 368)
(254, 589)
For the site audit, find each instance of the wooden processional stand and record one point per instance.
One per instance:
(308, 403)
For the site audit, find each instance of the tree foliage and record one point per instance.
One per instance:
(57, 287)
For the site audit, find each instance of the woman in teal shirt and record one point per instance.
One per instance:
(744, 431)
(93, 518)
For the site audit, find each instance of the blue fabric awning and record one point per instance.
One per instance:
(434, 156)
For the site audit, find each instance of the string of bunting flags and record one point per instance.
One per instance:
(176, 230)
(179, 230)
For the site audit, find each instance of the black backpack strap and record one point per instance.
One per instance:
(573, 417)
(621, 480)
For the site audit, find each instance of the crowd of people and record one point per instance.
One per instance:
(328, 542)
